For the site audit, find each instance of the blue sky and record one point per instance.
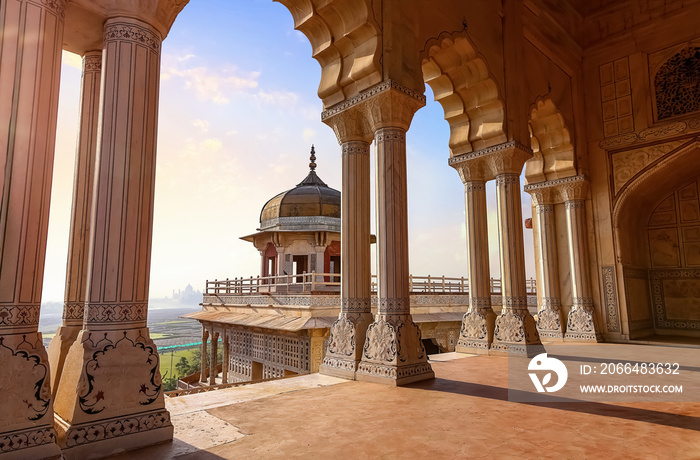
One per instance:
(238, 114)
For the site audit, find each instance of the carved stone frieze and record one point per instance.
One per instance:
(660, 131)
(92, 63)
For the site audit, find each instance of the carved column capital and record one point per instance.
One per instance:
(497, 160)
(388, 104)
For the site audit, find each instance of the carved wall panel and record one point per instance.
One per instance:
(616, 97)
(627, 164)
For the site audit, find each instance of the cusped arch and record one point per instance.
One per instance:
(638, 201)
(345, 41)
(551, 143)
(461, 82)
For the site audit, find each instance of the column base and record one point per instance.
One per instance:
(516, 332)
(111, 436)
(347, 335)
(393, 353)
(549, 324)
(581, 326)
(338, 367)
(32, 443)
(476, 333)
(393, 375)
(26, 405)
(58, 350)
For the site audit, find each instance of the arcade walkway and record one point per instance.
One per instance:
(463, 414)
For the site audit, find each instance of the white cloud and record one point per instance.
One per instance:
(209, 84)
(308, 134)
(203, 125)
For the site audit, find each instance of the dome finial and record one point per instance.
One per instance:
(312, 165)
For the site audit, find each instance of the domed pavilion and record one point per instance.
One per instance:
(300, 229)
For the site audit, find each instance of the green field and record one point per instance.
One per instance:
(175, 355)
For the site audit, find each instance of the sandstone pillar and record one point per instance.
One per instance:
(581, 321)
(203, 372)
(224, 363)
(515, 330)
(79, 239)
(213, 365)
(478, 323)
(31, 36)
(347, 335)
(114, 365)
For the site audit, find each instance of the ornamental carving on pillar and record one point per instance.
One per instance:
(473, 326)
(580, 320)
(18, 315)
(380, 344)
(355, 305)
(17, 440)
(112, 428)
(57, 6)
(96, 391)
(92, 63)
(26, 368)
(548, 320)
(342, 337)
(394, 305)
(118, 31)
(116, 313)
(509, 327)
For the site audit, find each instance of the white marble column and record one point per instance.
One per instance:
(478, 323)
(393, 352)
(581, 321)
(79, 238)
(549, 322)
(515, 327)
(114, 364)
(347, 335)
(31, 37)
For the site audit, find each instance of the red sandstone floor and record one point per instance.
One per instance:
(462, 414)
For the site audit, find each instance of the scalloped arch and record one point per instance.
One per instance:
(461, 82)
(345, 41)
(551, 143)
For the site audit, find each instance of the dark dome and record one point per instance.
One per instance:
(311, 198)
